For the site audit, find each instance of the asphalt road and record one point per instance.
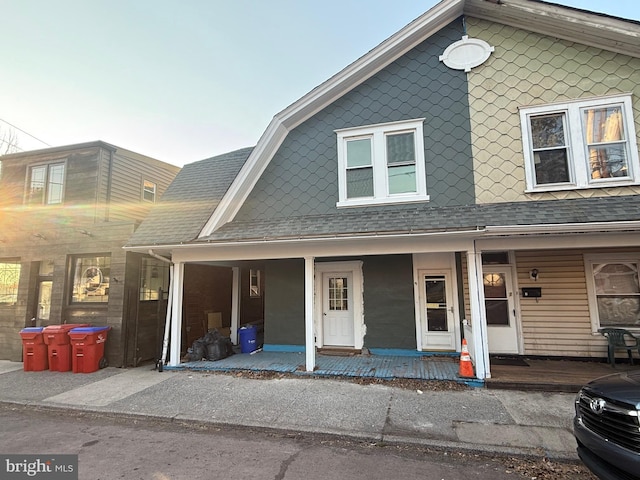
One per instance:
(111, 448)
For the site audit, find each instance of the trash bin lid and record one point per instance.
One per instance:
(32, 330)
(64, 327)
(89, 329)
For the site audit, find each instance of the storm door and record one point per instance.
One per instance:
(43, 292)
(436, 300)
(500, 310)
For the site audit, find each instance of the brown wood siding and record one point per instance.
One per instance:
(14, 318)
(12, 183)
(57, 233)
(129, 170)
(81, 184)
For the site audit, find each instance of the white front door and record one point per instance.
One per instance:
(502, 330)
(437, 311)
(337, 309)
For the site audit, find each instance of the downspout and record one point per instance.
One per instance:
(167, 320)
(153, 254)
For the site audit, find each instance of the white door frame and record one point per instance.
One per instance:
(435, 263)
(355, 269)
(452, 334)
(513, 335)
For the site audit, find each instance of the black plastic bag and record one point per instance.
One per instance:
(219, 349)
(210, 337)
(198, 351)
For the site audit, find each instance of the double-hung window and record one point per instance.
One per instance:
(381, 164)
(46, 184)
(614, 290)
(581, 144)
(148, 191)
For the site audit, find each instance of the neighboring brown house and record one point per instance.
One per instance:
(65, 214)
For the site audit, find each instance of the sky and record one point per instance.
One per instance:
(183, 80)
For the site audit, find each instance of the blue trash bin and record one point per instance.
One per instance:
(247, 336)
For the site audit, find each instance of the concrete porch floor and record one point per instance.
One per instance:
(422, 367)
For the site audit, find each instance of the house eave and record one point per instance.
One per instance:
(566, 228)
(572, 24)
(477, 232)
(60, 149)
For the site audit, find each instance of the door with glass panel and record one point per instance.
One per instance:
(43, 292)
(502, 331)
(337, 309)
(436, 300)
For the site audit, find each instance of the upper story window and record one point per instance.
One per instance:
(148, 191)
(382, 164)
(582, 144)
(46, 184)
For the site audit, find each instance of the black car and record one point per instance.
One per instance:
(607, 426)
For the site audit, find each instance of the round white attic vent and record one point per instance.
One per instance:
(466, 53)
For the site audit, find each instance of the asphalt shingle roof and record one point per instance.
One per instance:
(190, 200)
(193, 196)
(423, 219)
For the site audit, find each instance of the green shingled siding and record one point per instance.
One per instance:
(302, 178)
(284, 302)
(389, 312)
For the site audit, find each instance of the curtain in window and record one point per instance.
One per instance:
(618, 294)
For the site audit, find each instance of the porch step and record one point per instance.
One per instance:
(532, 386)
(339, 352)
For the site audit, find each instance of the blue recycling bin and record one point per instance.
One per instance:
(247, 336)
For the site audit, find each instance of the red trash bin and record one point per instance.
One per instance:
(59, 345)
(34, 350)
(87, 348)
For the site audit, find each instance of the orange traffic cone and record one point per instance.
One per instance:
(466, 367)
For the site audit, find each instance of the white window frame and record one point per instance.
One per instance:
(378, 134)
(254, 283)
(146, 190)
(577, 149)
(598, 258)
(48, 183)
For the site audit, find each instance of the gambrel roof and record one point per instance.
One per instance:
(611, 33)
(216, 220)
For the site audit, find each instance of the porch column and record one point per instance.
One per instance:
(478, 315)
(235, 304)
(177, 287)
(310, 343)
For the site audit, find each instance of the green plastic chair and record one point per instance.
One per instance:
(621, 339)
